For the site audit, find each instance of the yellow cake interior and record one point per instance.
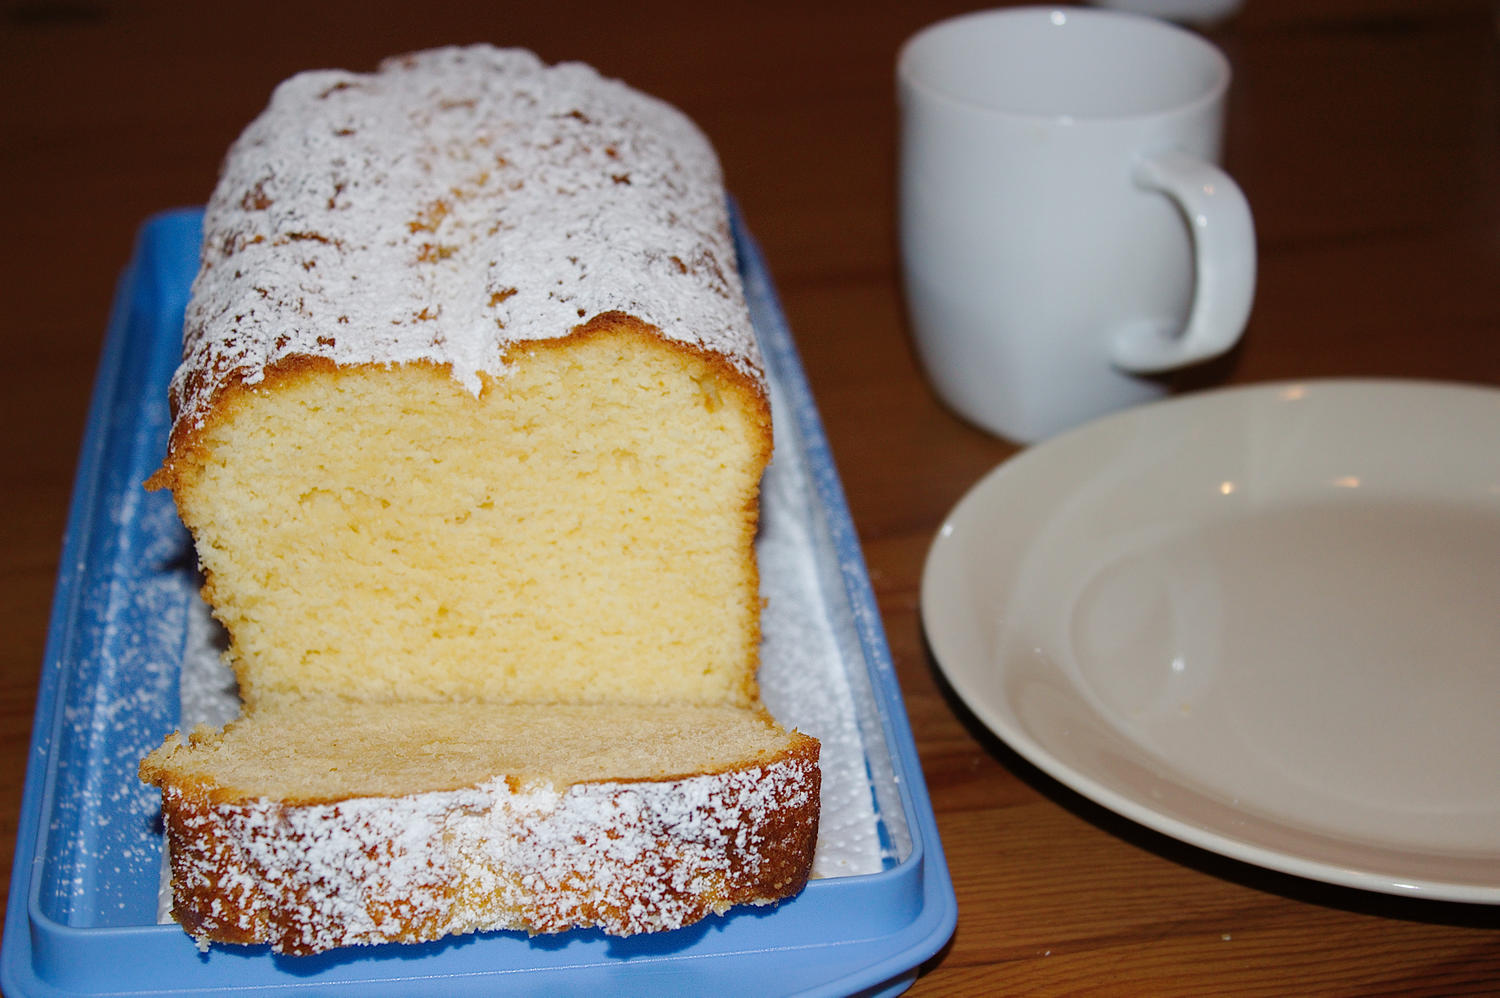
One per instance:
(580, 531)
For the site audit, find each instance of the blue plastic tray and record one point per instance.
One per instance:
(83, 898)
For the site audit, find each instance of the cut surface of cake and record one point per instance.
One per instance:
(469, 433)
(384, 533)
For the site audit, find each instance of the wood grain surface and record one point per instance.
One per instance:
(1366, 134)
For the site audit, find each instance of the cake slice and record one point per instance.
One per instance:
(315, 826)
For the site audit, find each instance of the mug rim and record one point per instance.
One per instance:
(908, 77)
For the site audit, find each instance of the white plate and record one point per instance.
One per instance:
(1262, 620)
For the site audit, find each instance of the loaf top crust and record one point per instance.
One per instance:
(451, 205)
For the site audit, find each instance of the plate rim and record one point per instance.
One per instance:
(1212, 838)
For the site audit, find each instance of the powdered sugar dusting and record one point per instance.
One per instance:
(625, 857)
(449, 206)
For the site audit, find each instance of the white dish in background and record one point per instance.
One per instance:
(1261, 620)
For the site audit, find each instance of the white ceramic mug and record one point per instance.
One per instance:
(1065, 233)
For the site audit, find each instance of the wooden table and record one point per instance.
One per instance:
(1366, 134)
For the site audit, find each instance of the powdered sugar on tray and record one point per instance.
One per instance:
(400, 216)
(804, 679)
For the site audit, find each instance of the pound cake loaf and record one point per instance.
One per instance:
(468, 433)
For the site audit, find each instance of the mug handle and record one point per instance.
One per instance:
(1223, 259)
